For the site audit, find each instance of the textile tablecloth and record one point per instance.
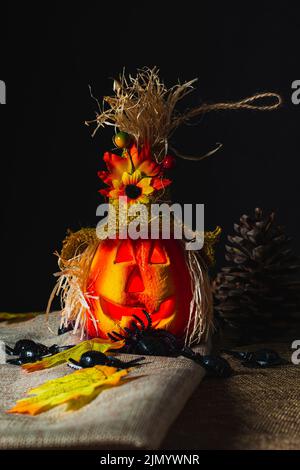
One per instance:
(136, 414)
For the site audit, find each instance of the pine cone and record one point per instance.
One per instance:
(259, 292)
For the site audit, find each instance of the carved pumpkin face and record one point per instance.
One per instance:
(129, 276)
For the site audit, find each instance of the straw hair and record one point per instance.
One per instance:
(145, 108)
(75, 261)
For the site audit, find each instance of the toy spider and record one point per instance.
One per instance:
(262, 358)
(95, 358)
(157, 342)
(28, 350)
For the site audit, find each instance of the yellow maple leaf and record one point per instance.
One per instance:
(95, 344)
(76, 389)
(17, 317)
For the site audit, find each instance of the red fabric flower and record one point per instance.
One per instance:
(131, 161)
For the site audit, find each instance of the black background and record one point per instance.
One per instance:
(51, 52)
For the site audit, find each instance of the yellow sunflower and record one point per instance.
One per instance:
(135, 186)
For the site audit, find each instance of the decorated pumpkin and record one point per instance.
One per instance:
(106, 284)
(128, 277)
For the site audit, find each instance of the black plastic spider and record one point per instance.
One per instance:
(147, 340)
(157, 342)
(261, 358)
(28, 350)
(95, 358)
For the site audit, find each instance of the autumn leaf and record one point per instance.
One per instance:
(95, 344)
(17, 317)
(76, 390)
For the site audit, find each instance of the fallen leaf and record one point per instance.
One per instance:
(76, 389)
(95, 344)
(17, 317)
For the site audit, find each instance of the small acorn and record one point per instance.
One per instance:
(122, 140)
(169, 162)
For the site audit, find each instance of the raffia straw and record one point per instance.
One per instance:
(71, 288)
(200, 322)
(145, 108)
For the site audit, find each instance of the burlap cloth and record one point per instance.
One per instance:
(254, 409)
(136, 414)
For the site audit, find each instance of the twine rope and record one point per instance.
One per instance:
(245, 103)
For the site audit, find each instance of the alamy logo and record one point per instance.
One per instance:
(164, 221)
(296, 354)
(296, 93)
(2, 92)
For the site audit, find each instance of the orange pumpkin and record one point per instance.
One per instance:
(129, 276)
